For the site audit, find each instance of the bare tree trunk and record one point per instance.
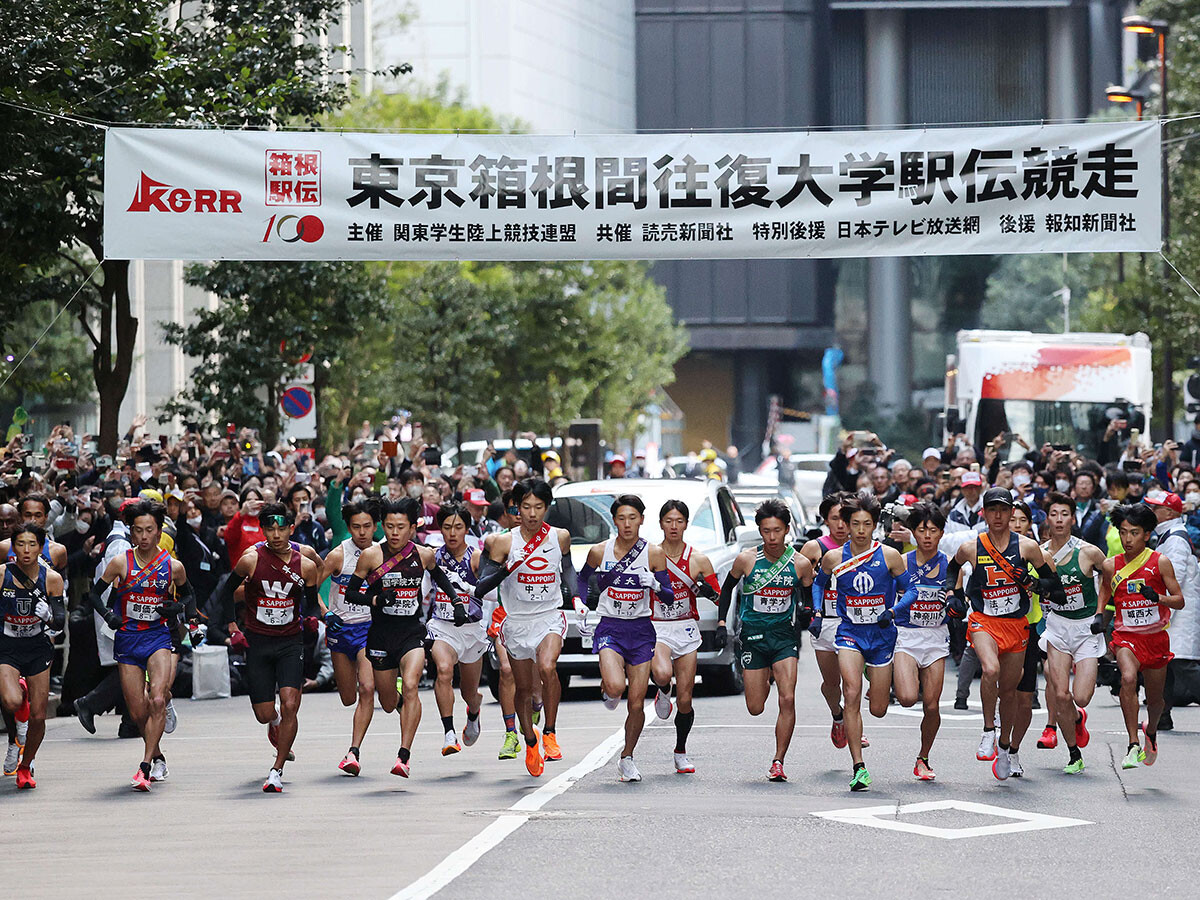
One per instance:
(112, 357)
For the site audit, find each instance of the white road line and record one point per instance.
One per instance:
(462, 858)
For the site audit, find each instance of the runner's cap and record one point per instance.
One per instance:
(996, 496)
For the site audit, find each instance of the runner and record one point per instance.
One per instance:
(346, 626)
(999, 591)
(677, 626)
(506, 690)
(823, 628)
(35, 510)
(1073, 640)
(628, 570)
(31, 603)
(867, 577)
(142, 578)
(456, 628)
(533, 623)
(279, 579)
(1140, 584)
(922, 636)
(775, 582)
(393, 572)
(1022, 524)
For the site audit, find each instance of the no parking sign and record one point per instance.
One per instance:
(299, 406)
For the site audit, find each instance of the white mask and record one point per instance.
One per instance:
(357, 497)
(1021, 480)
(1062, 485)
(194, 521)
(82, 527)
(1192, 496)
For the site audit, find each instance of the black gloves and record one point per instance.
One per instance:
(721, 638)
(460, 614)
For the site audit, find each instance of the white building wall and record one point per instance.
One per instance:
(557, 65)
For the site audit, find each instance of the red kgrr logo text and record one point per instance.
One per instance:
(154, 195)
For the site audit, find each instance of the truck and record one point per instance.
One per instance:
(1061, 389)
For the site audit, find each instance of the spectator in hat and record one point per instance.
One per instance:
(1172, 540)
(477, 505)
(639, 465)
(931, 458)
(616, 467)
(965, 513)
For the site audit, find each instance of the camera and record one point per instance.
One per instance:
(891, 514)
(432, 455)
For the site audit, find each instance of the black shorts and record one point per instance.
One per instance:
(273, 662)
(29, 655)
(389, 642)
(1033, 656)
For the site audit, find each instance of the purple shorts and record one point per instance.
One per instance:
(633, 639)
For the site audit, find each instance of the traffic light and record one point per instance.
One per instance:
(1191, 387)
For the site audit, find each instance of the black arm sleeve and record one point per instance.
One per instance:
(1048, 576)
(491, 573)
(312, 597)
(96, 595)
(952, 571)
(726, 597)
(444, 585)
(570, 581)
(58, 612)
(225, 598)
(187, 597)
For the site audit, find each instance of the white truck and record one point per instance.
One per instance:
(1060, 389)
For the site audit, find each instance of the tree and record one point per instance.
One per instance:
(317, 306)
(220, 63)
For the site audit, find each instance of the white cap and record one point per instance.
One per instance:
(931, 451)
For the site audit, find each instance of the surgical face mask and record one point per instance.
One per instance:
(1021, 480)
(82, 527)
(357, 497)
(1192, 496)
(415, 489)
(1062, 485)
(194, 521)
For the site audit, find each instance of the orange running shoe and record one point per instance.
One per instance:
(141, 781)
(533, 758)
(25, 778)
(550, 747)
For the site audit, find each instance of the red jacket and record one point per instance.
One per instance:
(241, 533)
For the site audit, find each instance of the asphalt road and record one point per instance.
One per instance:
(210, 831)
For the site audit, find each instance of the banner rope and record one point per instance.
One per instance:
(51, 325)
(1167, 260)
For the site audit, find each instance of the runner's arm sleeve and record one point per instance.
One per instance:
(708, 587)
(333, 512)
(952, 571)
(1050, 585)
(444, 584)
(225, 598)
(906, 590)
(312, 597)
(491, 573)
(585, 586)
(726, 596)
(570, 581)
(354, 588)
(99, 586)
(187, 596)
(58, 611)
(666, 593)
(820, 582)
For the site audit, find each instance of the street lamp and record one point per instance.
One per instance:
(1116, 93)
(1160, 28)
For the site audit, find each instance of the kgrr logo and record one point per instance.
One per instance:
(290, 229)
(153, 195)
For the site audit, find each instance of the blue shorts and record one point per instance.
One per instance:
(134, 648)
(877, 645)
(349, 640)
(633, 639)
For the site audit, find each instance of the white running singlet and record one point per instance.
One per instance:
(626, 599)
(536, 585)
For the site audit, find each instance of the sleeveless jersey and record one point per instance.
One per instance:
(138, 605)
(829, 595)
(1135, 612)
(774, 602)
(20, 620)
(1082, 601)
(990, 591)
(625, 598)
(929, 609)
(350, 613)
(863, 593)
(273, 594)
(684, 605)
(400, 588)
(536, 586)
(463, 577)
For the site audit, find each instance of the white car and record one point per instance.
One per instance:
(715, 528)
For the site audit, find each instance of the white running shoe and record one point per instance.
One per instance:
(627, 769)
(172, 719)
(610, 702)
(12, 759)
(22, 733)
(274, 782)
(662, 704)
(1014, 763)
(450, 745)
(1002, 767)
(158, 770)
(471, 731)
(987, 747)
(683, 765)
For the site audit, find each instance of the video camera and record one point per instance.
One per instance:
(892, 513)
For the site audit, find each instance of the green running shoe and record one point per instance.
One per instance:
(1074, 767)
(512, 746)
(861, 780)
(1133, 757)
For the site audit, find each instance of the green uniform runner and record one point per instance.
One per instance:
(767, 609)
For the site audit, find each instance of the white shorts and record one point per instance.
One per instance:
(925, 645)
(469, 641)
(1073, 637)
(824, 641)
(681, 636)
(524, 634)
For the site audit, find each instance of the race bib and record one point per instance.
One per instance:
(675, 609)
(865, 610)
(1074, 597)
(405, 602)
(22, 626)
(276, 612)
(830, 596)
(772, 598)
(141, 611)
(1001, 601)
(928, 610)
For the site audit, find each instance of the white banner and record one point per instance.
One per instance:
(194, 194)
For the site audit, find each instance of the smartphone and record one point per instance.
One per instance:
(371, 448)
(230, 429)
(220, 454)
(104, 462)
(37, 459)
(862, 439)
(143, 469)
(1135, 435)
(1061, 447)
(470, 471)
(1131, 465)
(162, 441)
(974, 467)
(391, 449)
(1010, 436)
(90, 447)
(303, 477)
